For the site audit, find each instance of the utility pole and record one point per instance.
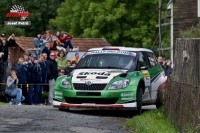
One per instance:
(159, 23)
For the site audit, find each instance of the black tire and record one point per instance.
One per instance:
(61, 109)
(139, 100)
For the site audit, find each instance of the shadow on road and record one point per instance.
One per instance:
(110, 113)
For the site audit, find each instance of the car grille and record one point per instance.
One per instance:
(91, 100)
(94, 87)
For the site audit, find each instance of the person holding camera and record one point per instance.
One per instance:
(22, 69)
(4, 45)
(169, 69)
(11, 89)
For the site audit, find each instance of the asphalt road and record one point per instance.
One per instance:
(46, 119)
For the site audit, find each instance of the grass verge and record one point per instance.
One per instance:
(3, 103)
(153, 121)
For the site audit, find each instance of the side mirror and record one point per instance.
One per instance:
(144, 68)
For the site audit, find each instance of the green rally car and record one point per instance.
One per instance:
(112, 78)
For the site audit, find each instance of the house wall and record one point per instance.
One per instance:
(15, 53)
(184, 16)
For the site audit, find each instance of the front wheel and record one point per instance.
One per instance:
(139, 100)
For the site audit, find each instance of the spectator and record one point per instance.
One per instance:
(62, 72)
(1, 69)
(66, 40)
(161, 62)
(9, 66)
(75, 58)
(73, 64)
(37, 41)
(68, 69)
(61, 60)
(35, 78)
(45, 56)
(46, 50)
(22, 69)
(42, 40)
(11, 89)
(4, 45)
(169, 69)
(52, 70)
(26, 57)
(43, 66)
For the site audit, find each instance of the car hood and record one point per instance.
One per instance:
(95, 75)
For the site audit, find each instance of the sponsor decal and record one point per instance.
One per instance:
(90, 79)
(58, 97)
(94, 73)
(58, 93)
(145, 73)
(126, 98)
(127, 94)
(114, 52)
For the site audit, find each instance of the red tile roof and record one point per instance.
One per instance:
(83, 43)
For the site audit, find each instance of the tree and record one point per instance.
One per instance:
(40, 13)
(8, 30)
(121, 22)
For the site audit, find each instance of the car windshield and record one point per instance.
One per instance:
(124, 60)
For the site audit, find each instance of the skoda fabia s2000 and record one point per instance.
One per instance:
(112, 78)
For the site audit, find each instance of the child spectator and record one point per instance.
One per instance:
(61, 60)
(68, 69)
(73, 64)
(75, 58)
(11, 89)
(62, 72)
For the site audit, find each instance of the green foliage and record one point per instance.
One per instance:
(40, 13)
(8, 30)
(194, 32)
(153, 121)
(121, 22)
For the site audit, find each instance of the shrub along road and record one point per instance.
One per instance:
(36, 119)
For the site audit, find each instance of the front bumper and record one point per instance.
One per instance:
(124, 106)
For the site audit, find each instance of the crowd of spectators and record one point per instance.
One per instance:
(36, 72)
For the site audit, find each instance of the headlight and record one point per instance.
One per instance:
(119, 84)
(65, 84)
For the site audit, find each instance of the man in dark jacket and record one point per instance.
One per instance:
(46, 50)
(1, 70)
(4, 44)
(52, 70)
(43, 66)
(34, 79)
